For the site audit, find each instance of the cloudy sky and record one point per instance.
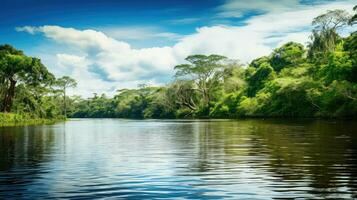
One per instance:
(112, 44)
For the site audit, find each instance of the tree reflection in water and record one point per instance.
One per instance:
(317, 157)
(180, 159)
(24, 151)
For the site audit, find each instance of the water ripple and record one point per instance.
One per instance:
(183, 159)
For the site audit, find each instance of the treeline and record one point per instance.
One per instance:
(293, 81)
(29, 90)
(319, 80)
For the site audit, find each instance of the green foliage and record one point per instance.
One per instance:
(248, 106)
(338, 99)
(233, 79)
(206, 73)
(227, 106)
(63, 84)
(11, 119)
(258, 79)
(16, 67)
(288, 97)
(256, 63)
(339, 67)
(350, 46)
(325, 34)
(95, 107)
(159, 106)
(289, 55)
(146, 102)
(26, 89)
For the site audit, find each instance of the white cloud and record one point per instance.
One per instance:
(139, 33)
(30, 29)
(185, 20)
(236, 8)
(89, 82)
(268, 5)
(105, 64)
(78, 66)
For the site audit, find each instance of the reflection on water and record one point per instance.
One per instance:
(257, 159)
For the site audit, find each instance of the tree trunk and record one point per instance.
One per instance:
(64, 103)
(9, 95)
(206, 97)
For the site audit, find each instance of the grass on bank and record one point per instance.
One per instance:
(12, 119)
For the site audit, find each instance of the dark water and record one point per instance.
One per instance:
(246, 159)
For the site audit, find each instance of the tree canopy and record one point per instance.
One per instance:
(17, 67)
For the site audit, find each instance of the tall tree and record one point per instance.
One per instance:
(353, 19)
(181, 92)
(325, 32)
(16, 67)
(205, 71)
(64, 83)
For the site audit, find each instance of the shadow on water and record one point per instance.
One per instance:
(306, 159)
(24, 151)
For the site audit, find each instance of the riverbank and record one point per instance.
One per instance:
(12, 119)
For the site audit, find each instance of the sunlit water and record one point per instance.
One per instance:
(128, 159)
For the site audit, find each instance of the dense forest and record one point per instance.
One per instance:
(317, 80)
(29, 92)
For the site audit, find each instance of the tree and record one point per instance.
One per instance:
(16, 67)
(350, 46)
(64, 83)
(256, 82)
(233, 78)
(324, 35)
(159, 105)
(353, 19)
(181, 92)
(338, 67)
(259, 61)
(205, 71)
(289, 54)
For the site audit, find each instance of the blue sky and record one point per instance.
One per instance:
(178, 17)
(108, 45)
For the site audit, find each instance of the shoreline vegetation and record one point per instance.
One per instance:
(11, 119)
(318, 80)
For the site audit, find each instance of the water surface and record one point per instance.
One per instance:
(153, 159)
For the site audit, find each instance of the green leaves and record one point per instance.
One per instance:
(15, 67)
(257, 80)
(66, 82)
(200, 66)
(289, 55)
(325, 34)
(206, 72)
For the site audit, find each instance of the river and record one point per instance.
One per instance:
(180, 159)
